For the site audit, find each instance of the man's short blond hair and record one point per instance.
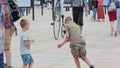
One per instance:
(23, 22)
(68, 19)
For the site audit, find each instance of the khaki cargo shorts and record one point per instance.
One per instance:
(78, 50)
(8, 37)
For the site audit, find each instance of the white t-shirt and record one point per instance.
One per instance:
(24, 49)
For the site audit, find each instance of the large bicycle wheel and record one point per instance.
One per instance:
(57, 21)
(63, 28)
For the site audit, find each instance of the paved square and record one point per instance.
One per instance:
(103, 50)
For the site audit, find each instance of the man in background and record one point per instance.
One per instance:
(78, 10)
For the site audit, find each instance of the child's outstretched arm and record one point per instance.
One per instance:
(67, 39)
(27, 43)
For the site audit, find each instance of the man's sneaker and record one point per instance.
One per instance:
(92, 66)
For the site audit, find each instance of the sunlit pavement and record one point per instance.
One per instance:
(103, 50)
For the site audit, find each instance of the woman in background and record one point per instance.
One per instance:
(101, 15)
(112, 18)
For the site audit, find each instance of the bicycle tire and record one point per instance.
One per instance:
(57, 21)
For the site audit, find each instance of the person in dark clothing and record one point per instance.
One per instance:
(78, 6)
(94, 4)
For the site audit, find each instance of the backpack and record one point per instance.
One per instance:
(14, 10)
(112, 6)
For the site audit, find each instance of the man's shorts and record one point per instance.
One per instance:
(27, 59)
(78, 50)
(1, 60)
(8, 37)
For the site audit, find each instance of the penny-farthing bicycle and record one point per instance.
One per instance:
(58, 20)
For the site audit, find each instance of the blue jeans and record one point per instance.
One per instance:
(22, 10)
(118, 20)
(61, 6)
(1, 61)
(27, 59)
(94, 13)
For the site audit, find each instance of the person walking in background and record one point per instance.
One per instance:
(112, 17)
(22, 11)
(78, 11)
(61, 6)
(101, 15)
(94, 4)
(118, 16)
(105, 3)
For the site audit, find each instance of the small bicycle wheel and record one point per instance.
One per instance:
(57, 23)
